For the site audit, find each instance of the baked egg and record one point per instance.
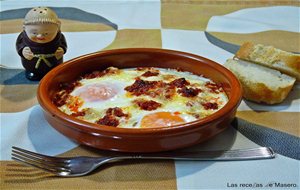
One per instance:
(140, 97)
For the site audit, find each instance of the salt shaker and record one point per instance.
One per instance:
(41, 45)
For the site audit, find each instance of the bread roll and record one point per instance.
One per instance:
(269, 56)
(261, 84)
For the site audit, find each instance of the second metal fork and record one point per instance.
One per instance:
(79, 166)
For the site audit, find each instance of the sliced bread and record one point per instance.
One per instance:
(286, 62)
(261, 84)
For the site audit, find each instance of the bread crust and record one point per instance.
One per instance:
(269, 56)
(260, 93)
(245, 50)
(258, 90)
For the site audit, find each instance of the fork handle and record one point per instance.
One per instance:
(229, 155)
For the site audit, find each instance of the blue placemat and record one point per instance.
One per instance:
(282, 143)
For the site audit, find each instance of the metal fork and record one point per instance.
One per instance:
(79, 166)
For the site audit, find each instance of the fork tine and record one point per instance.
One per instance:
(49, 163)
(56, 165)
(42, 167)
(40, 162)
(31, 153)
(37, 156)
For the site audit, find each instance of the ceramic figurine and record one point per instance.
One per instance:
(41, 45)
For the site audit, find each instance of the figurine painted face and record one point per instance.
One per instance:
(41, 33)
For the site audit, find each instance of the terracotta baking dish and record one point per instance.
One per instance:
(147, 139)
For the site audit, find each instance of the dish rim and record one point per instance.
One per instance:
(84, 126)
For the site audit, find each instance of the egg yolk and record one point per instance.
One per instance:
(98, 92)
(161, 119)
